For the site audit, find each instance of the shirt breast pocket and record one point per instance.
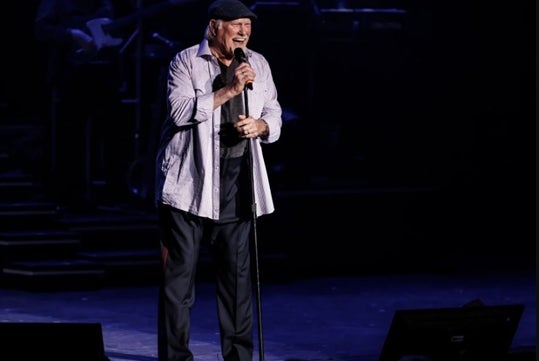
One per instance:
(256, 99)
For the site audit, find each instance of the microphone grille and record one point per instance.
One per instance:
(239, 54)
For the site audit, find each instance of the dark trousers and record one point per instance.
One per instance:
(182, 236)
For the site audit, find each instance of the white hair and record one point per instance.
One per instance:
(210, 32)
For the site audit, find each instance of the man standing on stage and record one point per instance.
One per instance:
(211, 177)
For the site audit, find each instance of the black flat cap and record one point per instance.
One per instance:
(229, 10)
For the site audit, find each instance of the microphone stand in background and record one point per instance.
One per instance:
(255, 234)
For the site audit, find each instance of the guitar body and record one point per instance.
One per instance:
(101, 37)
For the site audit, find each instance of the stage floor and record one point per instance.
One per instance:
(333, 318)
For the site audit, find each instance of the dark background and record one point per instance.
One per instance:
(408, 137)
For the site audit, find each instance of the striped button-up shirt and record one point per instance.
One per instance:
(187, 176)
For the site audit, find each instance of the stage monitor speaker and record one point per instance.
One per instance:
(473, 333)
(30, 341)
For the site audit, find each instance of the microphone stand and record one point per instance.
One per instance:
(255, 236)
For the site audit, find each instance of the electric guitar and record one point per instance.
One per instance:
(101, 37)
(102, 28)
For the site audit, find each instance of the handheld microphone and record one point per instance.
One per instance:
(240, 56)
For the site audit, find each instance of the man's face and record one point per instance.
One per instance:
(233, 34)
